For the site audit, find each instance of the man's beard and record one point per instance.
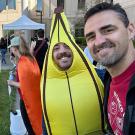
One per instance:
(111, 60)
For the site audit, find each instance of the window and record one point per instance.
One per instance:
(60, 3)
(11, 4)
(2, 5)
(100, 1)
(109, 1)
(39, 5)
(81, 4)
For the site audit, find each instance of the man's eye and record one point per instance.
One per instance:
(109, 30)
(90, 38)
(66, 47)
(56, 48)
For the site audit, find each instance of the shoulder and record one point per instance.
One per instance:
(26, 64)
(25, 60)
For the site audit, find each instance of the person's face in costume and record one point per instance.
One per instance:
(62, 56)
(107, 37)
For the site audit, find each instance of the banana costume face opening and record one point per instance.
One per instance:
(62, 56)
(71, 98)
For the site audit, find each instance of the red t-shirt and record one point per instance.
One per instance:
(117, 99)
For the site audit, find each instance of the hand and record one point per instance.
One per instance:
(10, 82)
(33, 44)
(13, 83)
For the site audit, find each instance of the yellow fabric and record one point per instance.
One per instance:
(29, 78)
(69, 96)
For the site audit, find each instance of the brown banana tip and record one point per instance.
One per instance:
(58, 10)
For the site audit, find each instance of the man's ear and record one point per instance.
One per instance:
(131, 30)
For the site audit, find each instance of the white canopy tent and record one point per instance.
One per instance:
(23, 23)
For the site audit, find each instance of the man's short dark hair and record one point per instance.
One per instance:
(40, 33)
(108, 6)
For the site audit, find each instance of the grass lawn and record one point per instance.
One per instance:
(4, 104)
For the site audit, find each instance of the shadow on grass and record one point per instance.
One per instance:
(4, 104)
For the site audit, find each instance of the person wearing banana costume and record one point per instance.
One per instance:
(71, 91)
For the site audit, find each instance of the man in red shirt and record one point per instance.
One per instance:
(109, 37)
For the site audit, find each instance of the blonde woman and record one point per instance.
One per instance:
(28, 84)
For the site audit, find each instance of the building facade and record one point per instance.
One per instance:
(9, 15)
(42, 10)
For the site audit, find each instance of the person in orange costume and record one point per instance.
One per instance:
(29, 86)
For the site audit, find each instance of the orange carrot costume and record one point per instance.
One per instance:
(29, 78)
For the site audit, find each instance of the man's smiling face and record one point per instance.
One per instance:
(62, 56)
(107, 37)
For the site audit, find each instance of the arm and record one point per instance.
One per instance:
(13, 83)
(33, 44)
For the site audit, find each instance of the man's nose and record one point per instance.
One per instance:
(62, 49)
(100, 39)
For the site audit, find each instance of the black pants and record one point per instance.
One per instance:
(26, 119)
(44, 127)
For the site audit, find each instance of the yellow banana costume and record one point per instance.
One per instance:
(72, 99)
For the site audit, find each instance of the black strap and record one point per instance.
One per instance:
(39, 47)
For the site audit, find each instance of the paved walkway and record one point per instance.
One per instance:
(8, 65)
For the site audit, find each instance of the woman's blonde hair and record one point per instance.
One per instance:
(24, 49)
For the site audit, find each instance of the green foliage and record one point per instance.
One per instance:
(8, 32)
(4, 104)
(80, 41)
(79, 32)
